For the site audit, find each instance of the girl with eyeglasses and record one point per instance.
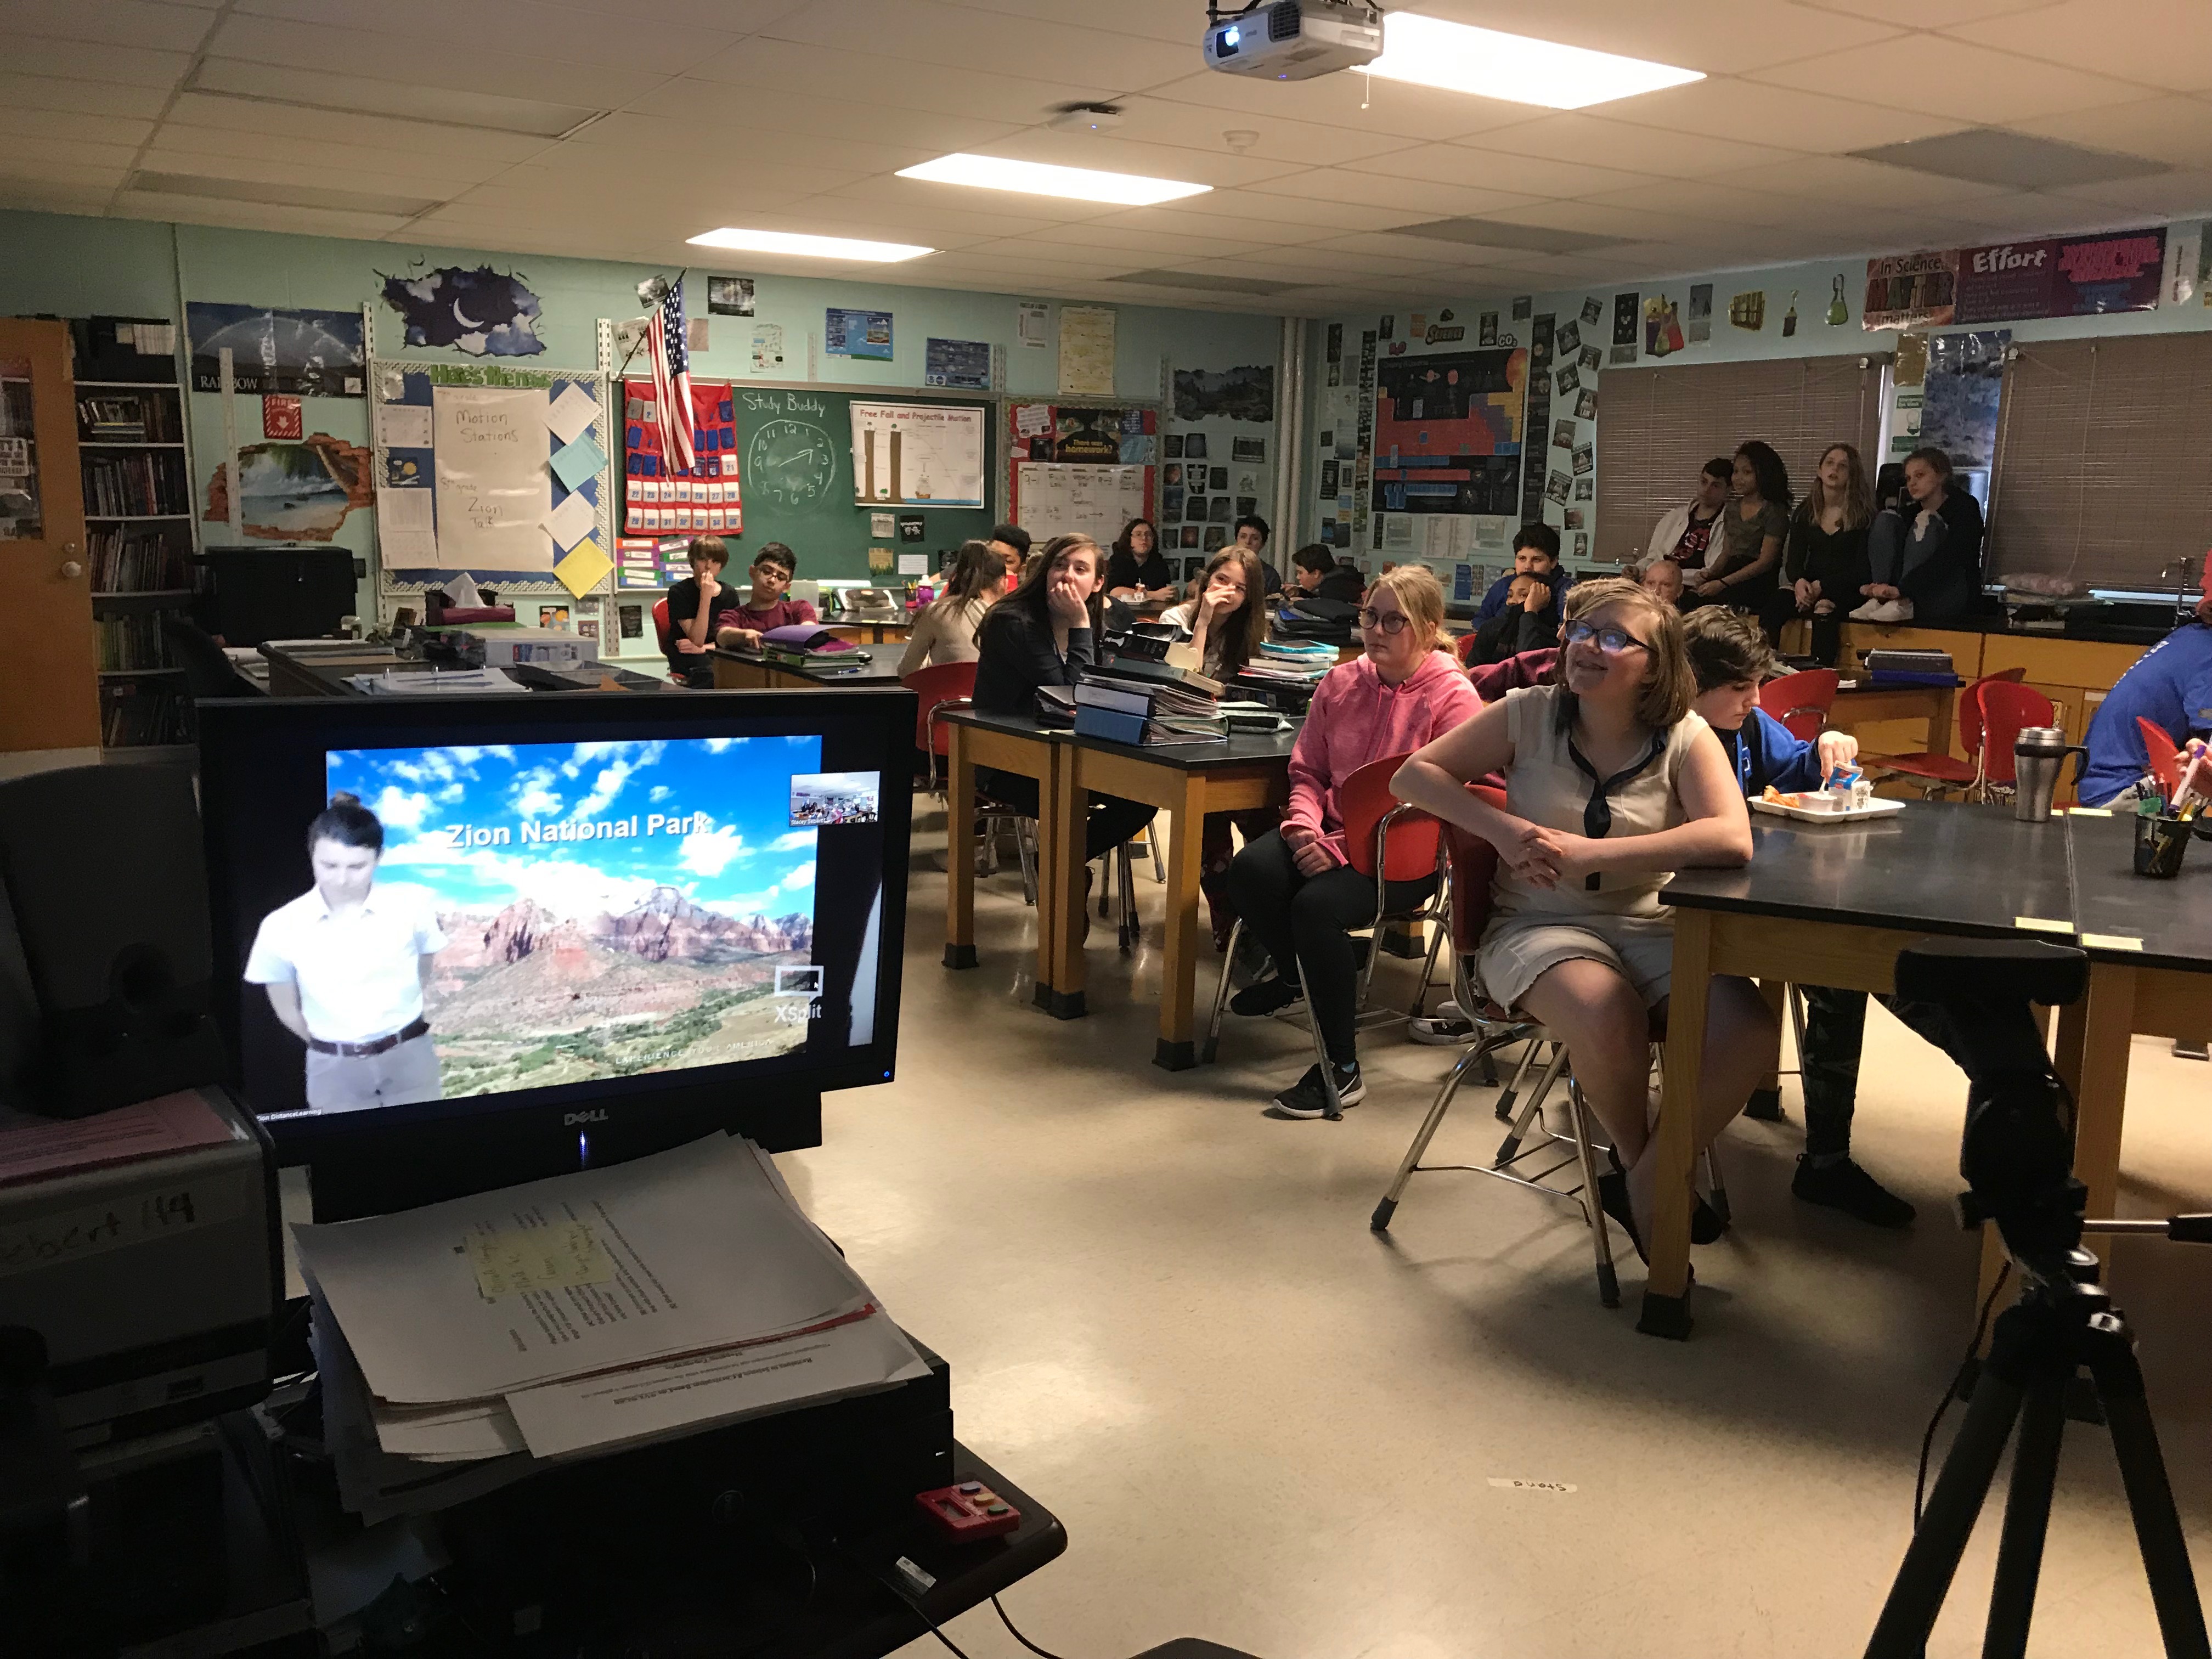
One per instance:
(1612, 785)
(1296, 892)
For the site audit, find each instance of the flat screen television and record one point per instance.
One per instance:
(466, 941)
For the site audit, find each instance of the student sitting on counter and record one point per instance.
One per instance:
(741, 627)
(1729, 657)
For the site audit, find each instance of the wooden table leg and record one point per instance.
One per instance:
(1179, 965)
(2101, 1097)
(1942, 721)
(1667, 1290)
(960, 853)
(1066, 820)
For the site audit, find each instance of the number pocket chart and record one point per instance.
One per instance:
(660, 498)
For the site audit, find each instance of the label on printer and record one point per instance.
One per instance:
(83, 1229)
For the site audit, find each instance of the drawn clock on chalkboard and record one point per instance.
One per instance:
(793, 463)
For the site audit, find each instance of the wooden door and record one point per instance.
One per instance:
(49, 678)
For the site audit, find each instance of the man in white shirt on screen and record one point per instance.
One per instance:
(345, 964)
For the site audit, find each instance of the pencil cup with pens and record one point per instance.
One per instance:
(2163, 827)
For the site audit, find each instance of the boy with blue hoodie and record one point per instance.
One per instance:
(1729, 656)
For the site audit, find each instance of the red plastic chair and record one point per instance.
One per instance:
(2159, 750)
(936, 687)
(2007, 708)
(1801, 701)
(1939, 774)
(1391, 840)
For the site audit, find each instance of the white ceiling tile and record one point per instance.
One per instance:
(556, 34)
(1262, 218)
(1175, 21)
(1314, 265)
(1413, 199)
(44, 92)
(1710, 202)
(44, 195)
(2173, 130)
(116, 129)
(113, 22)
(909, 135)
(1627, 224)
(84, 60)
(1721, 37)
(628, 135)
(1413, 250)
(408, 99)
(825, 72)
(357, 52)
(1594, 141)
(274, 122)
(1195, 126)
(2160, 43)
(918, 32)
(1356, 103)
(913, 204)
(1968, 84)
(1217, 168)
(1490, 169)
(1836, 181)
(75, 177)
(1727, 106)
(220, 155)
(28, 153)
(2169, 195)
(255, 216)
(1925, 14)
(1121, 236)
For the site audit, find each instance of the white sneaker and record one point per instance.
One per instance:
(1441, 1032)
(1900, 610)
(1870, 611)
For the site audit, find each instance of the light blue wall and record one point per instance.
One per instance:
(73, 266)
(1812, 285)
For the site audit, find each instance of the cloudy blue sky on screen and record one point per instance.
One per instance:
(591, 827)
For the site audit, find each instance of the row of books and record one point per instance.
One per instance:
(1291, 662)
(131, 640)
(1151, 703)
(1903, 668)
(138, 560)
(129, 418)
(133, 714)
(136, 486)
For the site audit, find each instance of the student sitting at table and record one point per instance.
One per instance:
(1535, 552)
(1045, 632)
(1529, 622)
(1252, 533)
(945, 631)
(766, 607)
(1139, 573)
(1612, 784)
(693, 603)
(1317, 575)
(2171, 686)
(1730, 659)
(1294, 888)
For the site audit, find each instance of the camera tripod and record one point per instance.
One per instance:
(2062, 1324)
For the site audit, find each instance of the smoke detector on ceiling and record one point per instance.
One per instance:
(1084, 118)
(1240, 139)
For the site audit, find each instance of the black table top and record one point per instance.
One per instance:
(2174, 919)
(1941, 868)
(841, 668)
(337, 675)
(1017, 725)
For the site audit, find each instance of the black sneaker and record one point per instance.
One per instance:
(1843, 1186)
(1265, 996)
(1308, 1098)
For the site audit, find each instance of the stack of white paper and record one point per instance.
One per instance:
(462, 1343)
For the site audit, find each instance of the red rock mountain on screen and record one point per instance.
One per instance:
(667, 927)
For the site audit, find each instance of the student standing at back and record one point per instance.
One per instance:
(947, 630)
(692, 605)
(768, 605)
(1535, 553)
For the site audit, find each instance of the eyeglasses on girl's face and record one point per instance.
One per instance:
(1392, 623)
(1611, 640)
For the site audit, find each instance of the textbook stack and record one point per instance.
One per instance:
(799, 644)
(1132, 701)
(1900, 668)
(1292, 662)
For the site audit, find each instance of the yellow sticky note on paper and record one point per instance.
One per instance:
(2110, 942)
(584, 568)
(2041, 925)
(512, 1260)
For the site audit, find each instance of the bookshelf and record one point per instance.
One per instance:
(138, 547)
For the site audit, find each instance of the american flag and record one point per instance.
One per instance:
(671, 383)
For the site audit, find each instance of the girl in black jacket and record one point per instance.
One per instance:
(1926, 556)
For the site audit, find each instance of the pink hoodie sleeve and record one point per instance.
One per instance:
(1452, 701)
(1310, 768)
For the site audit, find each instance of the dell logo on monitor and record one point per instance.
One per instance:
(570, 1119)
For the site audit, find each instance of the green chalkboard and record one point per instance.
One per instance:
(795, 463)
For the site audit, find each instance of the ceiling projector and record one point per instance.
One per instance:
(1294, 39)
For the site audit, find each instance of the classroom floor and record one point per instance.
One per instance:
(1263, 1425)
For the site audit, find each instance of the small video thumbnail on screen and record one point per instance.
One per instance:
(490, 919)
(828, 798)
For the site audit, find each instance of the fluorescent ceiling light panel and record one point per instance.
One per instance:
(1040, 178)
(1458, 57)
(812, 247)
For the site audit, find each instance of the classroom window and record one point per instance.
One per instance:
(2100, 471)
(1659, 426)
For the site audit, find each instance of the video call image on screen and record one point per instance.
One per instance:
(555, 914)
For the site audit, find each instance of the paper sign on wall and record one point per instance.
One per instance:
(1086, 350)
(491, 482)
(918, 454)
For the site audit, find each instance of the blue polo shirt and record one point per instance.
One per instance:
(2170, 686)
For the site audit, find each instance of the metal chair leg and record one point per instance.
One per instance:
(1321, 1057)
(1608, 1282)
(1128, 927)
(1720, 1198)
(1796, 999)
(1153, 844)
(1437, 926)
(1510, 1148)
(1380, 1221)
(1026, 846)
(1221, 993)
(1520, 1073)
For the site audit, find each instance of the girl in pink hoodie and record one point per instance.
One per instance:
(1292, 887)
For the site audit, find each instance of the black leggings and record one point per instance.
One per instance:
(1305, 922)
(1781, 610)
(1113, 820)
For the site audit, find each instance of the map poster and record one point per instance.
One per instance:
(857, 334)
(490, 443)
(918, 454)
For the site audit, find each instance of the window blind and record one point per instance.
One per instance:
(1658, 426)
(2104, 461)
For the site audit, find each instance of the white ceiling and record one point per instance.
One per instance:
(795, 115)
